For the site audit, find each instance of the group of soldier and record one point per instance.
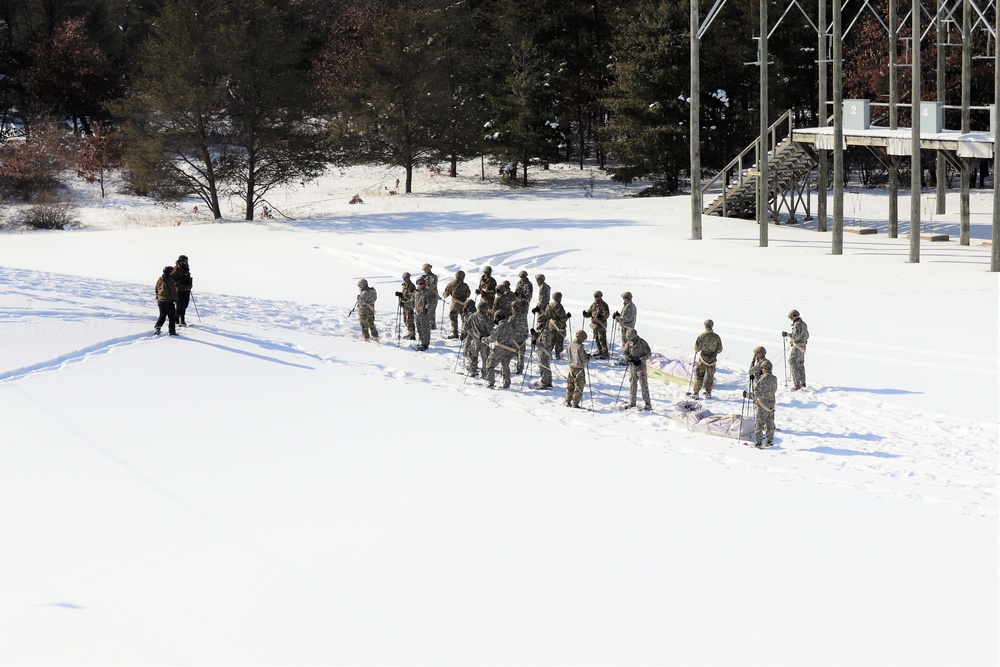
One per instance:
(494, 331)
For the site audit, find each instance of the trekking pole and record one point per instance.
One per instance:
(743, 409)
(784, 364)
(195, 304)
(694, 363)
(590, 385)
(527, 371)
(442, 315)
(621, 386)
(611, 352)
(399, 317)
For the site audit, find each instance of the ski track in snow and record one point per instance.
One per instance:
(827, 435)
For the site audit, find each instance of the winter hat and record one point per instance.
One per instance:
(167, 270)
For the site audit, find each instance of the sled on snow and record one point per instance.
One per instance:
(669, 370)
(693, 415)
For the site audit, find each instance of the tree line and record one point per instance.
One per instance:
(232, 98)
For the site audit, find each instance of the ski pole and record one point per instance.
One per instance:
(611, 352)
(527, 371)
(399, 317)
(195, 304)
(743, 409)
(621, 386)
(694, 363)
(784, 364)
(442, 315)
(590, 385)
(461, 352)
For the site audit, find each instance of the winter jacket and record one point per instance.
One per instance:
(166, 290)
(627, 317)
(599, 313)
(709, 345)
(182, 277)
(576, 355)
(366, 300)
(800, 334)
(458, 290)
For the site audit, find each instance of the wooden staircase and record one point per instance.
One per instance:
(733, 191)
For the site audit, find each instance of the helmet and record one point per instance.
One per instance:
(363, 284)
(598, 294)
(470, 304)
(540, 277)
(766, 366)
(182, 258)
(460, 275)
(421, 281)
(557, 296)
(499, 317)
(522, 274)
(483, 306)
(487, 269)
(406, 275)
(631, 335)
(792, 314)
(505, 284)
(426, 267)
(759, 349)
(581, 336)
(626, 295)
(167, 270)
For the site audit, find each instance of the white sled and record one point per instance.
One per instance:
(669, 370)
(693, 415)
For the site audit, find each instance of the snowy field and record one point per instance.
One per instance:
(268, 489)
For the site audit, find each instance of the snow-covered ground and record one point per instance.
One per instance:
(267, 488)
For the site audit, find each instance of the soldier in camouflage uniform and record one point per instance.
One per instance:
(599, 314)
(504, 349)
(541, 338)
(557, 317)
(459, 291)
(423, 314)
(487, 290)
(405, 296)
(759, 357)
(626, 318)
(477, 328)
(635, 352)
(763, 394)
(522, 301)
(431, 284)
(504, 302)
(544, 294)
(576, 374)
(708, 345)
(798, 339)
(366, 310)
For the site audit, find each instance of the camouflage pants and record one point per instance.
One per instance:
(545, 366)
(704, 374)
(408, 320)
(637, 376)
(763, 423)
(453, 315)
(476, 353)
(576, 380)
(601, 340)
(367, 320)
(423, 325)
(432, 307)
(522, 351)
(502, 357)
(797, 362)
(558, 338)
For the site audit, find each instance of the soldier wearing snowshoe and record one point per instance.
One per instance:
(763, 394)
(542, 340)
(522, 301)
(166, 297)
(184, 281)
(708, 345)
(487, 290)
(405, 296)
(544, 294)
(366, 310)
(504, 349)
(504, 302)
(798, 339)
(476, 330)
(635, 353)
(759, 356)
(459, 291)
(423, 314)
(557, 317)
(576, 373)
(431, 285)
(626, 318)
(598, 314)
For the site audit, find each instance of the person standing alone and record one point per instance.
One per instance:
(798, 339)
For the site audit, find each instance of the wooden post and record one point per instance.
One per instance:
(695, 126)
(915, 167)
(995, 248)
(822, 178)
(837, 242)
(939, 167)
(763, 191)
(893, 118)
(963, 200)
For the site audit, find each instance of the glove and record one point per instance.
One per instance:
(534, 310)
(399, 294)
(616, 315)
(586, 313)
(784, 334)
(745, 394)
(478, 291)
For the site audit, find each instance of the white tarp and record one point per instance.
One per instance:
(693, 415)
